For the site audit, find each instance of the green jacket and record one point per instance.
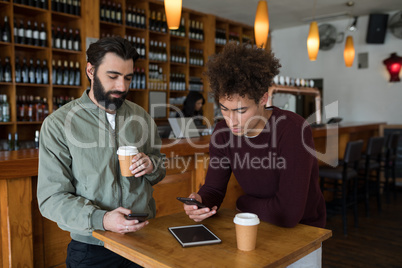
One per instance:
(79, 175)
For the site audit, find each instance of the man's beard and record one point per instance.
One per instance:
(104, 99)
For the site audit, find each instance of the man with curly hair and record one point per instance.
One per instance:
(264, 147)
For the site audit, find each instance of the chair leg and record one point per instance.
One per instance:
(378, 173)
(367, 192)
(354, 183)
(386, 185)
(344, 211)
(394, 179)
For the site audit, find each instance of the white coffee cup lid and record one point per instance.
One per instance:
(127, 150)
(247, 219)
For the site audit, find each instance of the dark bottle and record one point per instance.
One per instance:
(102, 14)
(54, 73)
(64, 38)
(16, 142)
(25, 71)
(107, 11)
(35, 35)
(6, 33)
(69, 7)
(119, 19)
(158, 24)
(17, 71)
(129, 16)
(1, 72)
(5, 109)
(45, 108)
(45, 73)
(65, 73)
(77, 40)
(28, 34)
(42, 35)
(57, 38)
(30, 112)
(113, 13)
(38, 109)
(31, 73)
(141, 19)
(10, 142)
(71, 72)
(21, 108)
(21, 33)
(16, 37)
(142, 79)
(70, 39)
(77, 74)
(38, 73)
(30, 3)
(59, 75)
(7, 71)
(44, 4)
(63, 6)
(77, 7)
(134, 17)
(152, 21)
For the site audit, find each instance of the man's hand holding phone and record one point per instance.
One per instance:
(196, 211)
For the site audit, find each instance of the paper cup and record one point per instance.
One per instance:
(126, 154)
(246, 230)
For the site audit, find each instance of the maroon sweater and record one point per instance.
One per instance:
(275, 170)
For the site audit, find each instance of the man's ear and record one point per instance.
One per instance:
(90, 70)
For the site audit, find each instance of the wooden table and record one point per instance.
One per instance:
(154, 246)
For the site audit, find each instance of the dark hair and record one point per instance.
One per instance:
(241, 69)
(189, 103)
(118, 45)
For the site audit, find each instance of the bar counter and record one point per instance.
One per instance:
(29, 240)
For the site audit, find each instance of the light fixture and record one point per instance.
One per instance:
(349, 52)
(313, 41)
(173, 13)
(393, 64)
(353, 26)
(261, 24)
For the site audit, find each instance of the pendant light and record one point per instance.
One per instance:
(261, 24)
(349, 52)
(173, 13)
(313, 41)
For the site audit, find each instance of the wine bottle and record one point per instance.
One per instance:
(59, 75)
(16, 142)
(107, 11)
(7, 71)
(21, 33)
(31, 73)
(5, 109)
(38, 72)
(16, 37)
(113, 13)
(77, 74)
(64, 38)
(1, 107)
(28, 33)
(42, 35)
(69, 7)
(38, 109)
(1, 72)
(71, 78)
(10, 142)
(45, 72)
(77, 7)
(35, 35)
(25, 71)
(6, 36)
(129, 16)
(54, 73)
(57, 38)
(103, 11)
(17, 70)
(119, 19)
(65, 73)
(77, 40)
(70, 39)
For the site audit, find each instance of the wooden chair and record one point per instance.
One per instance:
(389, 163)
(342, 181)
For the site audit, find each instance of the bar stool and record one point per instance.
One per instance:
(389, 162)
(370, 162)
(343, 180)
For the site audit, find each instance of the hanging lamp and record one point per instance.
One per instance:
(261, 24)
(313, 41)
(349, 52)
(173, 13)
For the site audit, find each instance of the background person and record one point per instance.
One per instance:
(79, 182)
(192, 107)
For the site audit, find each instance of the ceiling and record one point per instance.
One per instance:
(289, 13)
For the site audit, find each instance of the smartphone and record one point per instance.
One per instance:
(191, 201)
(140, 217)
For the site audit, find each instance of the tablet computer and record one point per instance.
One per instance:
(194, 235)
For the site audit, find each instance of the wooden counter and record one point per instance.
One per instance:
(29, 240)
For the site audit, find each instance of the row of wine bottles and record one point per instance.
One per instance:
(177, 81)
(157, 79)
(59, 101)
(139, 80)
(196, 57)
(157, 51)
(138, 43)
(63, 39)
(29, 73)
(27, 35)
(66, 75)
(111, 12)
(135, 17)
(33, 3)
(30, 108)
(157, 22)
(196, 30)
(72, 7)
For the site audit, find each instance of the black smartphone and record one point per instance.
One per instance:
(191, 201)
(140, 217)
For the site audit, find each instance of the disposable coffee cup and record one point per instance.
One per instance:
(126, 154)
(246, 230)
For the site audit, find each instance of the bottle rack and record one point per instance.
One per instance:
(188, 41)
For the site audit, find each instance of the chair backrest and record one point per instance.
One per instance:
(392, 143)
(374, 146)
(353, 151)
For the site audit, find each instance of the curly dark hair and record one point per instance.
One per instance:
(241, 69)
